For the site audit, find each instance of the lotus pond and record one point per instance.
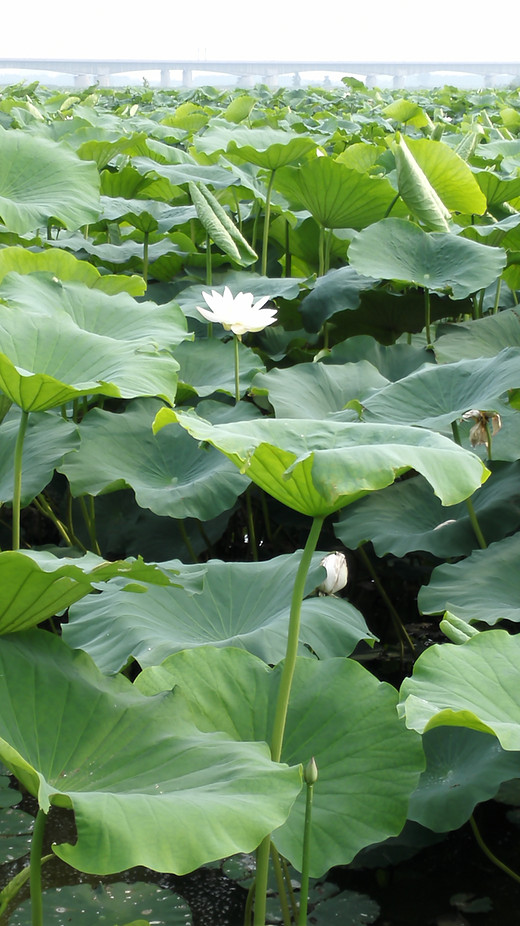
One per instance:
(240, 332)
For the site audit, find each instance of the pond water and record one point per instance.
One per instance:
(450, 883)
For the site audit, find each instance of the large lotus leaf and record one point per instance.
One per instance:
(146, 214)
(107, 904)
(483, 587)
(407, 516)
(47, 439)
(449, 176)
(242, 604)
(264, 146)
(395, 249)
(168, 472)
(463, 768)
(67, 267)
(318, 467)
(208, 366)
(483, 337)
(129, 249)
(36, 585)
(436, 395)
(50, 355)
(117, 316)
(124, 765)
(40, 180)
(313, 390)
(178, 174)
(336, 195)
(472, 684)
(338, 713)
(385, 314)
(416, 190)
(336, 291)
(394, 361)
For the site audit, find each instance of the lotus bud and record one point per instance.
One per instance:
(310, 772)
(337, 573)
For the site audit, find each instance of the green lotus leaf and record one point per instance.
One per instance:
(40, 180)
(463, 768)
(335, 195)
(484, 587)
(67, 267)
(16, 828)
(336, 291)
(447, 174)
(393, 362)
(108, 904)
(407, 516)
(168, 472)
(179, 174)
(483, 337)
(416, 191)
(100, 747)
(242, 604)
(315, 390)
(339, 713)
(318, 467)
(63, 340)
(47, 440)
(473, 684)
(437, 395)
(394, 249)
(36, 585)
(263, 146)
(219, 227)
(208, 366)
(142, 213)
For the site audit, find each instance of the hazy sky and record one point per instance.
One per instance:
(380, 30)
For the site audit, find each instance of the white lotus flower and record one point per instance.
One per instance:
(237, 313)
(337, 573)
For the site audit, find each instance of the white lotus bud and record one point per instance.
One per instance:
(337, 573)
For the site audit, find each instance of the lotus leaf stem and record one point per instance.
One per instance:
(497, 296)
(17, 486)
(209, 271)
(288, 256)
(280, 883)
(36, 869)
(42, 504)
(145, 256)
(290, 889)
(267, 217)
(237, 370)
(253, 546)
(282, 702)
(310, 777)
(487, 851)
(469, 504)
(427, 317)
(401, 630)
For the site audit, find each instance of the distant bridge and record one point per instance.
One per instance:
(88, 71)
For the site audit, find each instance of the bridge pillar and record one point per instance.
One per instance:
(82, 80)
(370, 81)
(187, 77)
(398, 80)
(296, 81)
(270, 80)
(165, 77)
